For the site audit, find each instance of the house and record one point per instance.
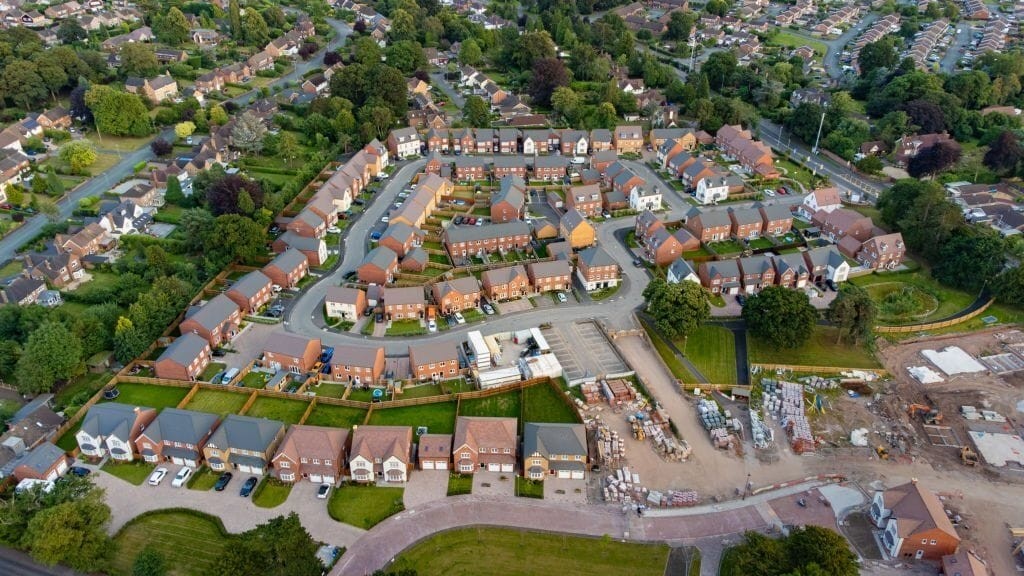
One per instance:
(505, 283)
(401, 238)
(914, 523)
(596, 269)
(35, 422)
(826, 263)
(308, 223)
(685, 138)
(575, 143)
(345, 303)
(404, 303)
(663, 247)
(313, 452)
(551, 275)
(91, 239)
(720, 277)
(44, 462)
(435, 451)
(964, 563)
(698, 170)
(822, 199)
(287, 268)
(600, 140)
(776, 219)
(575, 228)
(56, 118)
(883, 252)
(155, 89)
(378, 266)
(465, 241)
(415, 261)
(434, 360)
(708, 226)
(176, 436)
(359, 365)
(216, 321)
(544, 229)
(843, 222)
(125, 218)
(645, 198)
(791, 270)
(251, 292)
(746, 223)
(504, 166)
(509, 202)
(381, 453)
(23, 291)
(585, 199)
(484, 443)
(114, 43)
(908, 147)
(550, 168)
(508, 140)
(558, 450)
(291, 352)
(456, 295)
(243, 443)
(112, 428)
(404, 143)
(628, 139)
(756, 157)
(645, 224)
(712, 189)
(681, 271)
(315, 249)
(758, 271)
(260, 61)
(185, 359)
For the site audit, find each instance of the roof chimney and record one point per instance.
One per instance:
(913, 480)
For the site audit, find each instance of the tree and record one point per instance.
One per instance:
(680, 25)
(780, 316)
(566, 103)
(51, 353)
(54, 185)
(222, 195)
(21, 83)
(852, 312)
(403, 25)
(245, 204)
(476, 112)
(238, 238)
(934, 159)
(218, 117)
(758, 554)
(548, 74)
(678, 309)
(149, 562)
(184, 129)
(70, 31)
(533, 46)
(280, 547)
(288, 147)
(248, 133)
(970, 259)
(235, 19)
(814, 545)
(118, 113)
(174, 194)
(172, 28)
(881, 53)
(1005, 153)
(138, 59)
(1009, 286)
(71, 533)
(870, 165)
(129, 341)
(78, 155)
(927, 116)
(161, 147)
(470, 53)
(254, 29)
(79, 109)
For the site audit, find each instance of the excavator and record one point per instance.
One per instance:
(968, 457)
(883, 452)
(928, 414)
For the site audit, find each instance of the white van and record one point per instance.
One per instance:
(229, 376)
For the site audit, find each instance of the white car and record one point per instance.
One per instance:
(181, 477)
(334, 230)
(431, 326)
(459, 318)
(769, 193)
(275, 288)
(562, 298)
(385, 219)
(157, 476)
(323, 491)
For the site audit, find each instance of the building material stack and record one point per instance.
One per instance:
(793, 419)
(611, 448)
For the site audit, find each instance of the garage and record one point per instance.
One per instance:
(577, 474)
(190, 463)
(249, 469)
(178, 461)
(506, 467)
(442, 466)
(317, 478)
(428, 465)
(329, 479)
(494, 467)
(564, 474)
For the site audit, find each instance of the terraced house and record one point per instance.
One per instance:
(176, 436)
(465, 241)
(216, 321)
(243, 443)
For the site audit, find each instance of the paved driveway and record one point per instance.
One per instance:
(425, 486)
(490, 484)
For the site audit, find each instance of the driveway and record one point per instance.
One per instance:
(425, 486)
(490, 484)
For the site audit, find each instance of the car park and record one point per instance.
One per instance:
(248, 487)
(157, 476)
(562, 298)
(323, 491)
(181, 477)
(459, 318)
(222, 482)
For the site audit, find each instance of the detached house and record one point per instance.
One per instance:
(482, 443)
(185, 359)
(313, 452)
(44, 462)
(596, 269)
(404, 303)
(822, 199)
(345, 303)
(315, 249)
(357, 364)
(112, 428)
(681, 271)
(791, 270)
(745, 223)
(708, 226)
(434, 360)
(576, 229)
(401, 238)
(826, 263)
(378, 266)
(586, 199)
(243, 443)
(287, 268)
(509, 202)
(883, 252)
(505, 283)
(216, 321)
(558, 450)
(381, 453)
(23, 291)
(404, 143)
(291, 352)
(914, 523)
(177, 436)
(758, 272)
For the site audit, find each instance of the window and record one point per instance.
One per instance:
(933, 542)
(376, 460)
(924, 540)
(304, 460)
(327, 462)
(508, 450)
(316, 461)
(285, 464)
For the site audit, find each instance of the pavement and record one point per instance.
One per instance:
(17, 563)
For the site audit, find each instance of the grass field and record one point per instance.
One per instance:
(158, 397)
(271, 493)
(364, 506)
(712, 350)
(529, 488)
(460, 484)
(668, 356)
(542, 403)
(68, 442)
(820, 350)
(439, 418)
(521, 553)
(421, 391)
(950, 301)
(330, 390)
(131, 472)
(508, 404)
(282, 409)
(203, 479)
(190, 542)
(219, 402)
(790, 40)
(336, 416)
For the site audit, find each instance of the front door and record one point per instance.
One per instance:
(918, 554)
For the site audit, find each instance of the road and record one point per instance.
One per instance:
(439, 81)
(961, 40)
(833, 67)
(17, 563)
(125, 167)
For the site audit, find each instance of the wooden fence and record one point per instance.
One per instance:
(933, 325)
(816, 369)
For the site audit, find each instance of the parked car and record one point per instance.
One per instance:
(359, 201)
(457, 220)
(470, 220)
(488, 309)
(275, 288)
(222, 482)
(385, 219)
(562, 297)
(431, 325)
(157, 476)
(380, 317)
(479, 222)
(248, 487)
(741, 299)
(79, 471)
(368, 312)
(375, 235)
(334, 230)
(181, 477)
(218, 352)
(831, 285)
(638, 262)
(606, 214)
(769, 193)
(459, 318)
(323, 491)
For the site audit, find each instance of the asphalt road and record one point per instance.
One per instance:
(15, 563)
(962, 40)
(439, 81)
(125, 167)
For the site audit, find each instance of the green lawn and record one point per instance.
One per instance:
(605, 293)
(798, 173)
(460, 484)
(76, 393)
(508, 404)
(712, 350)
(529, 488)
(131, 472)
(759, 243)
(820, 350)
(281, 409)
(219, 402)
(439, 418)
(790, 40)
(406, 328)
(950, 301)
(421, 391)
(151, 395)
(256, 380)
(364, 506)
(271, 493)
(68, 442)
(203, 479)
(521, 553)
(727, 247)
(212, 369)
(542, 403)
(668, 356)
(360, 395)
(336, 416)
(190, 542)
(330, 390)
(456, 385)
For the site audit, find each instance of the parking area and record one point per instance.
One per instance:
(583, 351)
(564, 490)
(815, 509)
(425, 486)
(492, 484)
(249, 344)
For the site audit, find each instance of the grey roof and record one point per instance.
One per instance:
(548, 439)
(623, 177)
(298, 242)
(550, 162)
(696, 168)
(185, 349)
(551, 268)
(417, 254)
(596, 256)
(573, 218)
(509, 162)
(250, 284)
(723, 268)
(39, 458)
(466, 285)
(399, 231)
(185, 426)
(36, 403)
(470, 233)
(214, 312)
(245, 433)
(349, 355)
(382, 257)
(746, 215)
(288, 260)
(600, 135)
(21, 287)
(343, 294)
(825, 256)
(252, 461)
(433, 352)
(774, 211)
(288, 344)
(573, 135)
(499, 276)
(110, 419)
(469, 162)
(394, 295)
(604, 156)
(756, 264)
(794, 262)
(670, 132)
(709, 217)
(511, 191)
(680, 268)
(508, 134)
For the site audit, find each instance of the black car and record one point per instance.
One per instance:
(359, 201)
(741, 299)
(457, 220)
(222, 482)
(79, 471)
(248, 487)
(380, 317)
(638, 262)
(350, 275)
(219, 352)
(831, 285)
(368, 312)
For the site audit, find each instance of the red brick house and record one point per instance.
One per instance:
(509, 166)
(434, 360)
(550, 168)
(776, 219)
(404, 303)
(465, 241)
(378, 266)
(185, 359)
(401, 238)
(484, 443)
(547, 276)
(287, 268)
(758, 272)
(646, 223)
(216, 321)
(720, 277)
(456, 295)
(843, 222)
(44, 462)
(176, 436)
(251, 292)
(914, 523)
(708, 226)
(435, 451)
(883, 252)
(596, 269)
(663, 247)
(313, 452)
(509, 201)
(357, 364)
(586, 199)
(505, 283)
(469, 168)
(628, 139)
(291, 352)
(745, 223)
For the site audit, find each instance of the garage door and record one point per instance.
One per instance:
(190, 463)
(494, 467)
(577, 475)
(178, 461)
(249, 469)
(428, 465)
(62, 467)
(563, 474)
(329, 479)
(442, 465)
(506, 467)
(52, 475)
(318, 478)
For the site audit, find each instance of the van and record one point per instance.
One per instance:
(229, 376)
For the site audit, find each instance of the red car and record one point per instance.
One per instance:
(781, 190)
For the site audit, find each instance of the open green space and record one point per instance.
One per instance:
(336, 416)
(330, 390)
(281, 409)
(948, 301)
(364, 506)
(506, 404)
(151, 395)
(190, 542)
(521, 553)
(820, 350)
(668, 356)
(460, 484)
(901, 303)
(439, 418)
(78, 392)
(134, 472)
(219, 402)
(203, 479)
(542, 403)
(798, 173)
(11, 268)
(271, 493)
(421, 391)
(790, 40)
(712, 349)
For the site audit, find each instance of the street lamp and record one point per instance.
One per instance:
(817, 140)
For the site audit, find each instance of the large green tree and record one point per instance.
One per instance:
(254, 29)
(78, 155)
(970, 259)
(678, 309)
(118, 113)
(780, 316)
(172, 28)
(51, 353)
(21, 84)
(138, 59)
(71, 533)
(238, 238)
(853, 312)
(280, 547)
(814, 545)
